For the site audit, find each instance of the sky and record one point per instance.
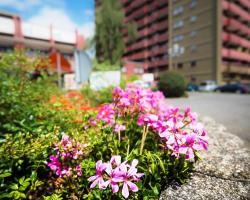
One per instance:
(63, 14)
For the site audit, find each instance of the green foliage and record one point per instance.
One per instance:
(105, 66)
(172, 84)
(30, 126)
(53, 197)
(99, 97)
(24, 102)
(109, 25)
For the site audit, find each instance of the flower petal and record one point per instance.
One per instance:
(125, 191)
(132, 186)
(115, 187)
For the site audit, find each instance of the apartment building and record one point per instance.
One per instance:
(151, 45)
(210, 40)
(204, 40)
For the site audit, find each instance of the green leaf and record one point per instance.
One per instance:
(6, 174)
(14, 186)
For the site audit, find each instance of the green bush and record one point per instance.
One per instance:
(172, 84)
(99, 97)
(24, 103)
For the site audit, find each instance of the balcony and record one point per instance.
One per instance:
(235, 25)
(236, 55)
(232, 7)
(158, 63)
(159, 51)
(139, 55)
(150, 19)
(246, 3)
(136, 46)
(228, 37)
(138, 13)
(137, 3)
(125, 1)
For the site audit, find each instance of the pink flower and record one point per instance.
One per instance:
(98, 178)
(67, 150)
(78, 169)
(129, 175)
(106, 114)
(115, 173)
(54, 165)
(119, 128)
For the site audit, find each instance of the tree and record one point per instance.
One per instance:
(109, 25)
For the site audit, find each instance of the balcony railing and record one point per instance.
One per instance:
(228, 37)
(159, 51)
(232, 7)
(236, 25)
(158, 63)
(236, 55)
(245, 3)
(150, 19)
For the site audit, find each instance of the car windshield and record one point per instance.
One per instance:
(203, 84)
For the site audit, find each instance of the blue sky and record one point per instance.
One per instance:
(64, 14)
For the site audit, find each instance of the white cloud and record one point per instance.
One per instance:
(20, 5)
(59, 19)
(88, 29)
(89, 12)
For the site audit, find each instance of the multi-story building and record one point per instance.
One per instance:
(204, 40)
(214, 37)
(35, 38)
(150, 47)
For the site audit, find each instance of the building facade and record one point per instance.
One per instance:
(35, 38)
(204, 40)
(151, 45)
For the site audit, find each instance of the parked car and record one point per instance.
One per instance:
(248, 86)
(142, 83)
(236, 87)
(191, 87)
(207, 86)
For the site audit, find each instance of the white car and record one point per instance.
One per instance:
(207, 86)
(142, 83)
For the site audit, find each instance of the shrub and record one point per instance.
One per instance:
(99, 97)
(172, 84)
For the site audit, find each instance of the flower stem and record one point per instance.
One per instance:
(144, 135)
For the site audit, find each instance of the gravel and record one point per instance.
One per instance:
(223, 173)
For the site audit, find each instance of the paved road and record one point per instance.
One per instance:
(232, 110)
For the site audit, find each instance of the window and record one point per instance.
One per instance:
(178, 10)
(180, 65)
(178, 38)
(193, 63)
(193, 48)
(193, 3)
(193, 33)
(178, 24)
(193, 18)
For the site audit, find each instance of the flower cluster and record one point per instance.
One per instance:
(179, 132)
(133, 100)
(115, 174)
(72, 102)
(66, 160)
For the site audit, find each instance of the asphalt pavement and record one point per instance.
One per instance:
(231, 110)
